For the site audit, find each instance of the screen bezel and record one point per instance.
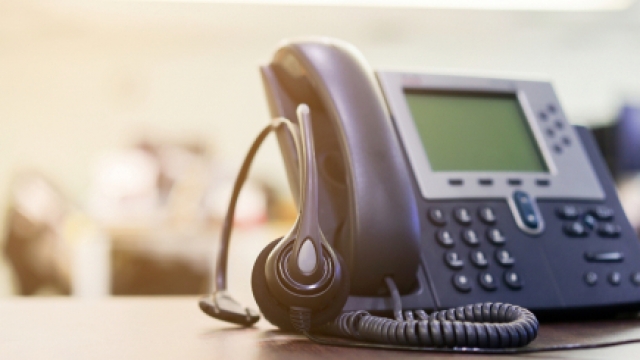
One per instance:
(563, 168)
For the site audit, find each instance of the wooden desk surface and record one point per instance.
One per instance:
(174, 328)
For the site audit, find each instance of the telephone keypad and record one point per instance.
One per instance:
(472, 222)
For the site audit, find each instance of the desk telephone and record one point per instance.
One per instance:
(430, 192)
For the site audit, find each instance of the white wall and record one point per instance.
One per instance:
(78, 78)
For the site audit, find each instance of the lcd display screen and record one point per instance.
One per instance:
(463, 131)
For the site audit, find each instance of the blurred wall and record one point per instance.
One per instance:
(78, 78)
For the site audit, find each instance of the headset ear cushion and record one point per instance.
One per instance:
(277, 313)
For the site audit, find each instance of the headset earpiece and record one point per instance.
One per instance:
(276, 309)
(303, 276)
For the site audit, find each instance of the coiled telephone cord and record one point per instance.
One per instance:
(481, 325)
(485, 328)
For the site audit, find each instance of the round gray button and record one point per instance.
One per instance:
(461, 282)
(487, 281)
(591, 278)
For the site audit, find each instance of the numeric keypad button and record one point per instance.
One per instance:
(487, 215)
(496, 237)
(437, 217)
(444, 238)
(487, 281)
(504, 258)
(470, 237)
(478, 259)
(461, 283)
(513, 280)
(462, 216)
(453, 260)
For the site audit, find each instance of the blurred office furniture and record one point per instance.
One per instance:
(162, 202)
(620, 142)
(33, 244)
(150, 224)
(53, 247)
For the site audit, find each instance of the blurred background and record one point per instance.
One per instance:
(123, 123)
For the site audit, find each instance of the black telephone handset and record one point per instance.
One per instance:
(430, 192)
(367, 200)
